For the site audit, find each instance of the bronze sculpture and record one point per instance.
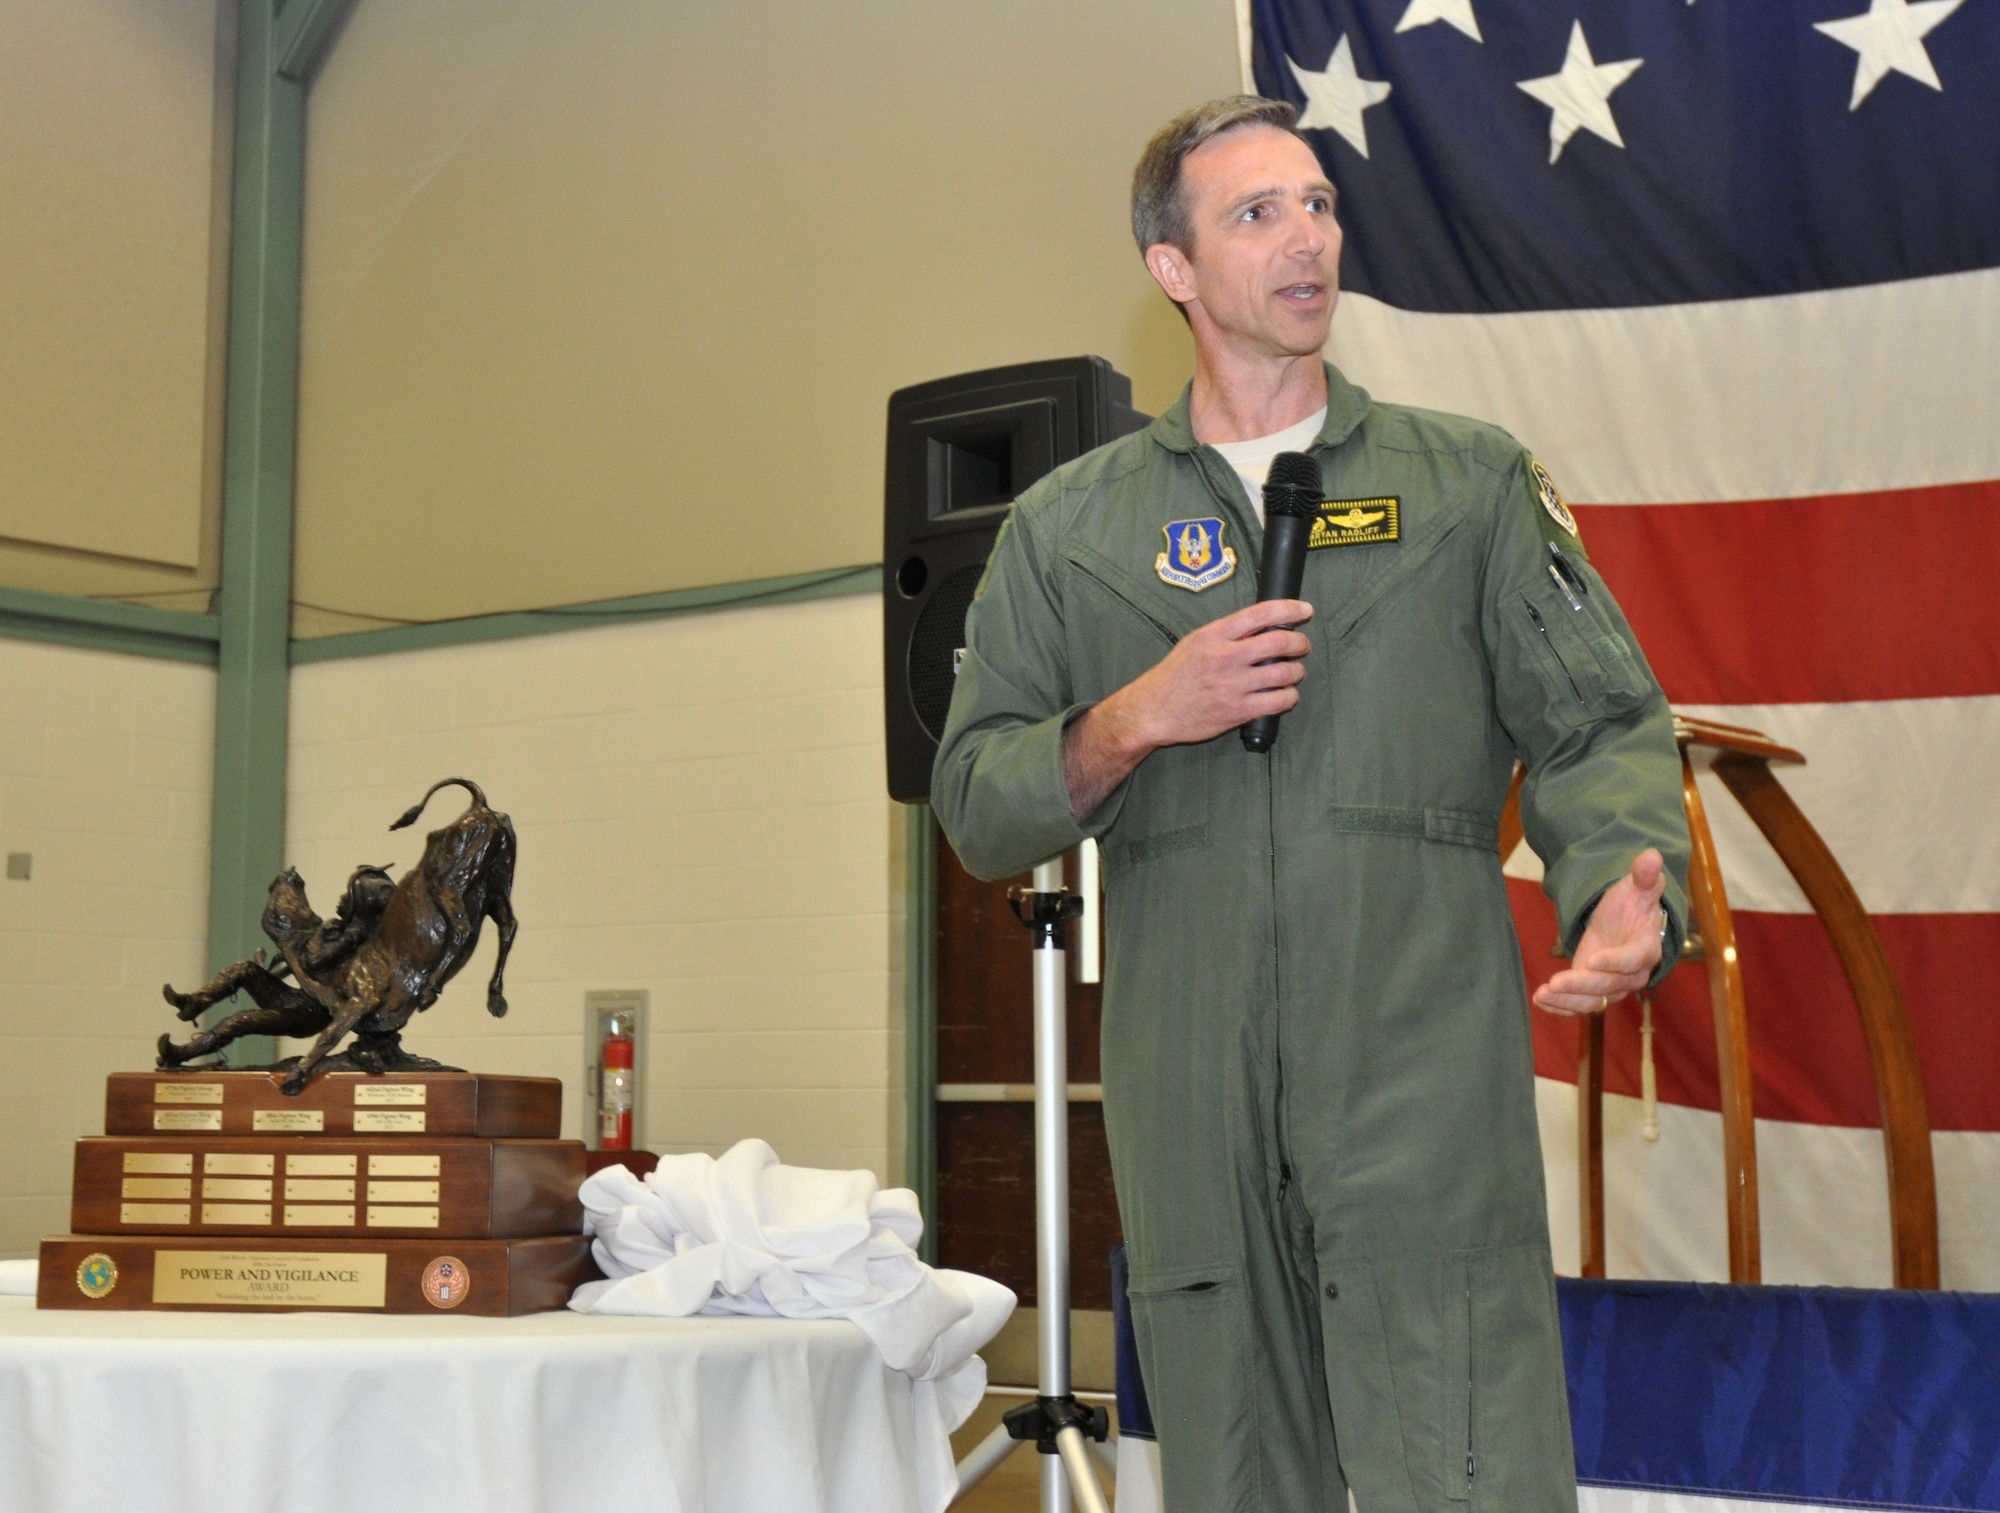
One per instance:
(385, 955)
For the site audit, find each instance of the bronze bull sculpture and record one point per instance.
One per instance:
(385, 955)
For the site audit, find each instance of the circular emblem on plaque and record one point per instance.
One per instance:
(96, 1275)
(447, 1280)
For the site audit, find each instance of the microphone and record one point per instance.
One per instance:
(1291, 500)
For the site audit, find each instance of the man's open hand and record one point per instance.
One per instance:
(1229, 671)
(1620, 945)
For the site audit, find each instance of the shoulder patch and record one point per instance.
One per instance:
(1552, 499)
(1356, 522)
(1195, 557)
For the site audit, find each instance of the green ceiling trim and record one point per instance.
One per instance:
(791, 589)
(102, 625)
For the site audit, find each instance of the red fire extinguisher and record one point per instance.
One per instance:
(614, 1102)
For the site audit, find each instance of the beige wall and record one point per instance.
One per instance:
(113, 249)
(701, 814)
(104, 781)
(609, 299)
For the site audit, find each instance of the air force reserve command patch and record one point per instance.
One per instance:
(1552, 501)
(1195, 557)
(1356, 522)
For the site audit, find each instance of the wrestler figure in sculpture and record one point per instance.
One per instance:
(385, 955)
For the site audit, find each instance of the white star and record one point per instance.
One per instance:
(1336, 96)
(1889, 36)
(1581, 94)
(1457, 13)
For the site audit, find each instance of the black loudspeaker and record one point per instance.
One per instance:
(960, 450)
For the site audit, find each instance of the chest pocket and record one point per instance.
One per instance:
(1582, 654)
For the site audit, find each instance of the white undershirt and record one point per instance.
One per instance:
(1252, 459)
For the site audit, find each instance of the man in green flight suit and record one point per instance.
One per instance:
(1318, 1081)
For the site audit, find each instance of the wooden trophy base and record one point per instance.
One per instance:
(338, 1103)
(291, 1187)
(498, 1278)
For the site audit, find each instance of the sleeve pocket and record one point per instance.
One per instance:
(1583, 657)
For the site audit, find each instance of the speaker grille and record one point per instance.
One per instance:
(939, 632)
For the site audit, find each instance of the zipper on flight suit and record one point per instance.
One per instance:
(1229, 507)
(1470, 1466)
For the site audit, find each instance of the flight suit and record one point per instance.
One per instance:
(1318, 1082)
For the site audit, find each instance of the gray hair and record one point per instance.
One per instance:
(1159, 208)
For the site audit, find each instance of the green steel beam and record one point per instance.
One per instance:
(534, 622)
(920, 905)
(102, 625)
(276, 44)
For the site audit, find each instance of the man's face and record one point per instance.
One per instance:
(1264, 267)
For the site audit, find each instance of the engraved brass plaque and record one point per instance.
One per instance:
(236, 1213)
(390, 1095)
(287, 1120)
(239, 1164)
(157, 1187)
(282, 1279)
(389, 1121)
(319, 1189)
(187, 1092)
(339, 1214)
(402, 1192)
(187, 1118)
(321, 1166)
(404, 1166)
(402, 1218)
(153, 1213)
(161, 1163)
(236, 1187)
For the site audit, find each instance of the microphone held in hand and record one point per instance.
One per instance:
(1291, 500)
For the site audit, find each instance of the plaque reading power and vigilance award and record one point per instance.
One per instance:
(390, 1274)
(270, 1279)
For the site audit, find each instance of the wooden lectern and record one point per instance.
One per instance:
(1743, 761)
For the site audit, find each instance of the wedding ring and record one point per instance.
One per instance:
(1602, 1007)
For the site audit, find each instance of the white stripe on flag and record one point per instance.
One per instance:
(1629, 1500)
(1848, 391)
(1822, 1190)
(1901, 790)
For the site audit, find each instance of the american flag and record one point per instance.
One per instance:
(1732, 271)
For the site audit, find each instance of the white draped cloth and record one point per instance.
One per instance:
(744, 1234)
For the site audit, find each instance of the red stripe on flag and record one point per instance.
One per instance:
(1808, 1060)
(1794, 601)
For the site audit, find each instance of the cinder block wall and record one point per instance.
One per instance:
(105, 771)
(701, 813)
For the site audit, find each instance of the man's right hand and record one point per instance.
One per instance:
(1215, 679)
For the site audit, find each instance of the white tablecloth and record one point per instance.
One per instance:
(343, 1413)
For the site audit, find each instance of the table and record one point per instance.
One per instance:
(332, 1413)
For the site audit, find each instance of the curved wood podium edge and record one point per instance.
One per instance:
(1590, 1144)
(1710, 900)
(1899, 1084)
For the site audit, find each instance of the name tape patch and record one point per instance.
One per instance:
(1356, 522)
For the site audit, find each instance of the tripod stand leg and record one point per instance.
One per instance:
(1052, 907)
